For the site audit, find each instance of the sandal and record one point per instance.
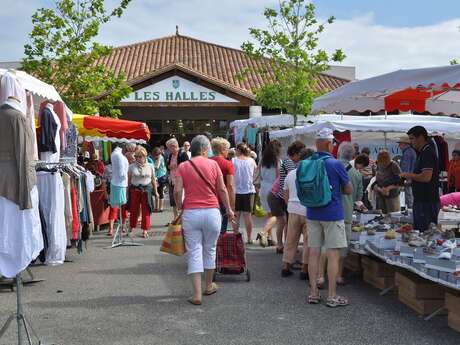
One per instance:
(211, 291)
(336, 301)
(262, 238)
(314, 299)
(194, 301)
(320, 283)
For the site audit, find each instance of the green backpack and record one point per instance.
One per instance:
(313, 187)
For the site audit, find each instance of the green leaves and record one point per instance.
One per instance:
(290, 43)
(63, 52)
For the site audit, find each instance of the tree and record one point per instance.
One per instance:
(292, 57)
(63, 52)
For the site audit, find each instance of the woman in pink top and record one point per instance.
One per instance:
(202, 182)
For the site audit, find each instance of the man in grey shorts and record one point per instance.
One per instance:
(326, 224)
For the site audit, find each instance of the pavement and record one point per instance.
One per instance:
(137, 296)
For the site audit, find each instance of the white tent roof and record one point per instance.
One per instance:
(282, 120)
(368, 94)
(450, 127)
(34, 85)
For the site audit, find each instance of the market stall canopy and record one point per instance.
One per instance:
(435, 90)
(449, 129)
(98, 127)
(34, 85)
(270, 121)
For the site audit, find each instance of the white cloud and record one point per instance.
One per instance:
(372, 48)
(376, 49)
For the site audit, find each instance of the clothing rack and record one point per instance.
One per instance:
(118, 240)
(23, 324)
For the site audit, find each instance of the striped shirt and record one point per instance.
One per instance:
(286, 166)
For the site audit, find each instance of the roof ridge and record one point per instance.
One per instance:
(180, 36)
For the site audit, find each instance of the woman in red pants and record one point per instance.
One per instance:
(142, 189)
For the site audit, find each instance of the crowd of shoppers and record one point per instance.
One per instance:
(213, 186)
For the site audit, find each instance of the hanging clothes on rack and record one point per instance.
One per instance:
(20, 231)
(52, 204)
(59, 109)
(71, 141)
(49, 144)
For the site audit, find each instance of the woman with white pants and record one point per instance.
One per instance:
(202, 182)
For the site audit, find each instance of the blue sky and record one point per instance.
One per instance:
(377, 36)
(396, 13)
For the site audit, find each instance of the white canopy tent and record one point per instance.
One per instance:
(369, 94)
(34, 85)
(376, 132)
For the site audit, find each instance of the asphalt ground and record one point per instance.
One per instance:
(137, 296)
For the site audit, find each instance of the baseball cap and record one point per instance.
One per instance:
(325, 133)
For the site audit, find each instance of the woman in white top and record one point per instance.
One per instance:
(245, 168)
(142, 188)
(297, 223)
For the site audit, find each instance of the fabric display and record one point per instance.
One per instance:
(443, 153)
(20, 230)
(51, 195)
(340, 137)
(65, 208)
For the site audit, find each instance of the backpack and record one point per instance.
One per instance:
(312, 182)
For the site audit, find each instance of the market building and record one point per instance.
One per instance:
(185, 86)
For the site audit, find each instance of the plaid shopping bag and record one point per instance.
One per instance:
(230, 252)
(173, 242)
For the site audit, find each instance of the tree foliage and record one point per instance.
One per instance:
(63, 52)
(290, 46)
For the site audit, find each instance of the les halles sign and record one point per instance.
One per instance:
(176, 89)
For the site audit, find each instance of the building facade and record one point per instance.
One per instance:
(183, 86)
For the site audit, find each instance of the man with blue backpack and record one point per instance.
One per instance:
(320, 182)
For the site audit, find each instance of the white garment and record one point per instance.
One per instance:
(201, 231)
(49, 156)
(30, 113)
(21, 237)
(371, 195)
(52, 204)
(294, 205)
(244, 175)
(89, 181)
(120, 168)
(10, 86)
(141, 177)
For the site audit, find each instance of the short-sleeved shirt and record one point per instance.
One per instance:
(161, 170)
(141, 176)
(294, 205)
(426, 191)
(197, 192)
(225, 166)
(408, 159)
(244, 175)
(338, 178)
(286, 166)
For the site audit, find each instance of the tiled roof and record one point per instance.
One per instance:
(215, 63)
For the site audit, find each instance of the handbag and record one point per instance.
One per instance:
(173, 242)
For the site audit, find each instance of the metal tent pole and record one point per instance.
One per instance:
(20, 318)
